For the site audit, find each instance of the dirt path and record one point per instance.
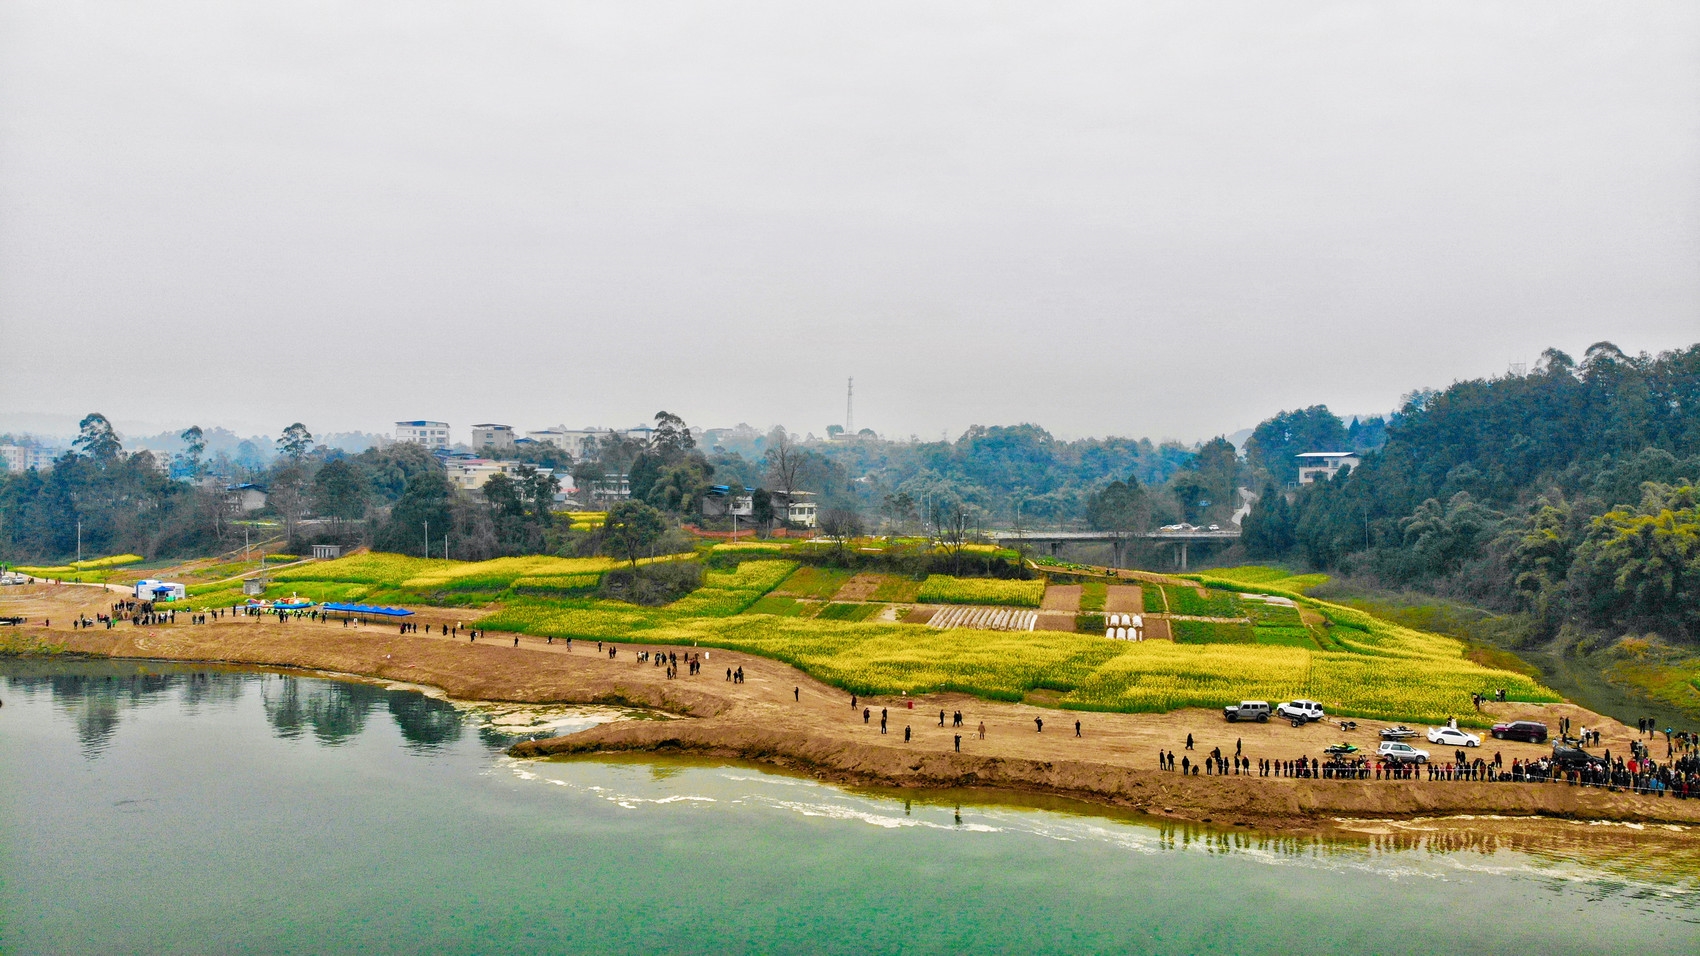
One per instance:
(785, 718)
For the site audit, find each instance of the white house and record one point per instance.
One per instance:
(1323, 465)
(573, 441)
(470, 474)
(432, 435)
(720, 502)
(798, 507)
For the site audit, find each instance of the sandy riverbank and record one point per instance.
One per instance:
(783, 718)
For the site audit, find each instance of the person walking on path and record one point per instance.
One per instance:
(1239, 745)
(797, 694)
(1039, 725)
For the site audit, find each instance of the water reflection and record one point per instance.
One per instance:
(425, 724)
(335, 712)
(97, 696)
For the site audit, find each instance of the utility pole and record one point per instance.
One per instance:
(445, 547)
(79, 542)
(427, 539)
(850, 408)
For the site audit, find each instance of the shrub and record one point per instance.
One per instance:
(652, 584)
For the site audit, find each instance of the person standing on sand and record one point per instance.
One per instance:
(1239, 746)
(882, 720)
(1039, 725)
(852, 701)
(516, 639)
(982, 730)
(1189, 741)
(941, 718)
(797, 694)
(905, 733)
(958, 743)
(866, 713)
(1077, 728)
(1186, 765)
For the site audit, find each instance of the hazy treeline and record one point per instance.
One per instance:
(1566, 493)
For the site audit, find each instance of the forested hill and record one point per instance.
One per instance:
(1567, 492)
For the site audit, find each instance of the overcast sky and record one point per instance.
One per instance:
(1152, 219)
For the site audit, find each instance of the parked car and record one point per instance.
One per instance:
(1452, 737)
(1257, 710)
(1397, 752)
(1570, 753)
(1306, 710)
(1533, 731)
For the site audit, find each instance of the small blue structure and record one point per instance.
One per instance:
(372, 609)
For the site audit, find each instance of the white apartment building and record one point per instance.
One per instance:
(497, 437)
(21, 458)
(574, 441)
(432, 435)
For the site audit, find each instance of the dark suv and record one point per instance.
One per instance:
(1533, 731)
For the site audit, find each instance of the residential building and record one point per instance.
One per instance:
(1323, 465)
(246, 497)
(21, 458)
(612, 487)
(574, 441)
(797, 507)
(493, 437)
(470, 474)
(433, 435)
(720, 502)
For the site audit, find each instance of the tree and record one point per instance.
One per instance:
(295, 442)
(1274, 443)
(841, 525)
(631, 528)
(194, 446)
(288, 494)
(425, 502)
(761, 509)
(783, 460)
(96, 439)
(672, 438)
(953, 532)
(340, 490)
(1122, 507)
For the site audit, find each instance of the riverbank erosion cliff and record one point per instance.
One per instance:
(778, 716)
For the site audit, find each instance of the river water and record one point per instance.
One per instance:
(152, 808)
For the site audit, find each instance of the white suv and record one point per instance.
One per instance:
(1300, 710)
(1398, 752)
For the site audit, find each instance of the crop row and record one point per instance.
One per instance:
(944, 589)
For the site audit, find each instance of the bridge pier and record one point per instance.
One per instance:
(1183, 555)
(1056, 546)
(1118, 551)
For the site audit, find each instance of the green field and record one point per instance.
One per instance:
(1357, 665)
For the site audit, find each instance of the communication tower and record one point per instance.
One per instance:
(850, 408)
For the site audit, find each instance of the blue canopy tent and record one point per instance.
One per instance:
(372, 609)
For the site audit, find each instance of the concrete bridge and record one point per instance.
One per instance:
(1116, 539)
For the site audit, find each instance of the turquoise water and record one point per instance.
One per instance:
(167, 809)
